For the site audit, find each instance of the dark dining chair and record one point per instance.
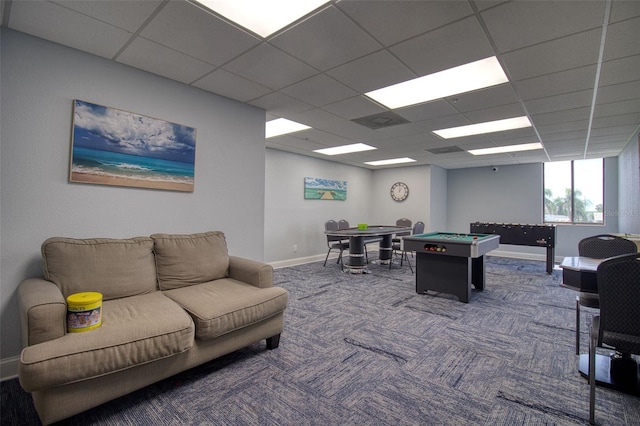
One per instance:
(418, 228)
(335, 243)
(598, 247)
(618, 324)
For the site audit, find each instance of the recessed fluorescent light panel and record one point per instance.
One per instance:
(482, 128)
(260, 16)
(390, 161)
(345, 149)
(504, 149)
(464, 78)
(282, 126)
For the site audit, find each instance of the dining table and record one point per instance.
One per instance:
(357, 236)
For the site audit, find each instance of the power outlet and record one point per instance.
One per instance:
(295, 247)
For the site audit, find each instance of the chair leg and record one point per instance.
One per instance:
(592, 378)
(325, 259)
(408, 261)
(577, 325)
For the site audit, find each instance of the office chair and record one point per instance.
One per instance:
(335, 243)
(418, 228)
(598, 247)
(402, 222)
(618, 324)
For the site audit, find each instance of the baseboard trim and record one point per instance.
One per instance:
(9, 368)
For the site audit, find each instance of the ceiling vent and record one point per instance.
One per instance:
(445, 150)
(381, 120)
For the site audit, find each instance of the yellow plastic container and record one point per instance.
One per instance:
(84, 311)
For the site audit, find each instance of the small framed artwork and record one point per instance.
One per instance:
(324, 189)
(114, 147)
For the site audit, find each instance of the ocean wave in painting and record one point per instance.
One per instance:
(111, 164)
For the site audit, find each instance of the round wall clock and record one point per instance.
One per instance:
(399, 191)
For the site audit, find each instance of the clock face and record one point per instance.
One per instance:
(399, 191)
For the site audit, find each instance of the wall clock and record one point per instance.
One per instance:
(399, 191)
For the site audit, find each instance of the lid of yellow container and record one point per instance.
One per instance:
(84, 298)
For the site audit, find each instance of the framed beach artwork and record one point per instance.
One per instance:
(324, 189)
(114, 147)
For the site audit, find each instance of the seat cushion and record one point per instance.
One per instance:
(135, 330)
(114, 267)
(184, 260)
(225, 305)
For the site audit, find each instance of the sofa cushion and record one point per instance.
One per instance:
(226, 305)
(135, 330)
(114, 267)
(184, 260)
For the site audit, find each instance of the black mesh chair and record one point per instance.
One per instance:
(599, 247)
(335, 243)
(418, 228)
(618, 325)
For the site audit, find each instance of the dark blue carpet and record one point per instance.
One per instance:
(368, 350)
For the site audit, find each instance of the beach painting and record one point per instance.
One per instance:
(324, 189)
(114, 147)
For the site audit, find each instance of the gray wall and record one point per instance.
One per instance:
(39, 80)
(628, 213)
(513, 194)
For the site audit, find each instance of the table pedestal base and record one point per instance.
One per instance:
(620, 374)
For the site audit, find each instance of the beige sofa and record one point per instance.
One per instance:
(170, 302)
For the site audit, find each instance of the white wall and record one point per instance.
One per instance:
(39, 80)
(291, 220)
(416, 207)
(513, 194)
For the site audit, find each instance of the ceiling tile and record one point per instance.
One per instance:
(518, 24)
(280, 104)
(152, 57)
(620, 70)
(618, 92)
(129, 15)
(319, 90)
(393, 21)
(558, 55)
(232, 86)
(270, 67)
(560, 82)
(61, 25)
(560, 102)
(355, 107)
(380, 69)
(187, 28)
(623, 10)
(456, 44)
(484, 98)
(321, 40)
(622, 40)
(427, 110)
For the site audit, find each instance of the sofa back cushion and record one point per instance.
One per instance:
(114, 267)
(184, 260)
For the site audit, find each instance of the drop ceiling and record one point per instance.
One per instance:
(573, 69)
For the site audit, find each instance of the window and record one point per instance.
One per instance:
(573, 191)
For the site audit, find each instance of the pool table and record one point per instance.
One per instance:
(448, 262)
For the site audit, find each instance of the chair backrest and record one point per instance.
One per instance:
(418, 228)
(343, 224)
(619, 290)
(604, 246)
(404, 222)
(332, 225)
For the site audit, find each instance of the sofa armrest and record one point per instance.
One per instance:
(253, 272)
(43, 311)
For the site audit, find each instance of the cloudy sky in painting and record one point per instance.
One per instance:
(113, 130)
